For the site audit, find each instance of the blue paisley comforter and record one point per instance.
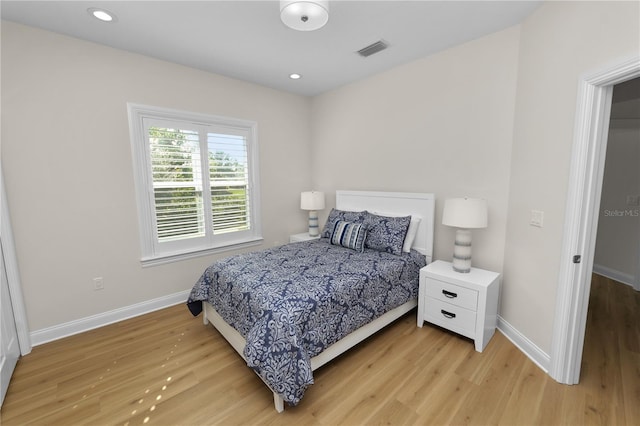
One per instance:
(293, 301)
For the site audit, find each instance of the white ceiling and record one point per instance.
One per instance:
(246, 39)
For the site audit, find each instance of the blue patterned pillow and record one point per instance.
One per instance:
(349, 235)
(385, 233)
(336, 215)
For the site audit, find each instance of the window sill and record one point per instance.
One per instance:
(166, 258)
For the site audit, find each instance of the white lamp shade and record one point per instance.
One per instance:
(312, 200)
(465, 213)
(304, 15)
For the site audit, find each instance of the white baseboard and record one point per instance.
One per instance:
(533, 352)
(70, 328)
(622, 277)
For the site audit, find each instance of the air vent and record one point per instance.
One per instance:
(373, 48)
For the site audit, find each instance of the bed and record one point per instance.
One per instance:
(288, 310)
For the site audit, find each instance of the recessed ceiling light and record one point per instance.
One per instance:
(102, 14)
(295, 76)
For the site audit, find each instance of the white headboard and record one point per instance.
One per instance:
(398, 203)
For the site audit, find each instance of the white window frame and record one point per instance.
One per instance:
(155, 252)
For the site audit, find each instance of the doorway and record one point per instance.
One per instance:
(9, 348)
(14, 331)
(617, 251)
(612, 338)
(583, 202)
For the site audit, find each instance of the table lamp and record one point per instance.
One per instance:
(312, 201)
(464, 214)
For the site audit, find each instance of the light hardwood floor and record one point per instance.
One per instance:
(167, 368)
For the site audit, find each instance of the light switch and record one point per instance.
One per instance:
(537, 218)
(633, 200)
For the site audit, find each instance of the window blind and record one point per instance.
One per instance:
(177, 183)
(196, 182)
(229, 178)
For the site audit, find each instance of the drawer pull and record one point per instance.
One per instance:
(447, 314)
(449, 294)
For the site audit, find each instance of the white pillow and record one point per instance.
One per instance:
(412, 231)
(411, 234)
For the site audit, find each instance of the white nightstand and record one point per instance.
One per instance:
(463, 303)
(301, 237)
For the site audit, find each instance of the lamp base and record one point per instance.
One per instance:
(313, 224)
(462, 251)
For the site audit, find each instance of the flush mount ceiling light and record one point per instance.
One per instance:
(304, 15)
(295, 76)
(102, 14)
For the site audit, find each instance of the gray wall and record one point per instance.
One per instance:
(560, 42)
(442, 124)
(618, 241)
(67, 161)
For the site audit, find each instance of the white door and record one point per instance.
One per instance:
(9, 347)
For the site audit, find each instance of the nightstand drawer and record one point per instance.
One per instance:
(451, 317)
(453, 294)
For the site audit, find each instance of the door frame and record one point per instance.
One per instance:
(593, 110)
(636, 283)
(13, 274)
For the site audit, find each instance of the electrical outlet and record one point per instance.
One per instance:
(98, 283)
(537, 218)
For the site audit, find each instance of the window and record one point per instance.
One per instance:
(196, 183)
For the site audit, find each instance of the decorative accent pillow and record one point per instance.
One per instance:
(336, 215)
(350, 235)
(386, 233)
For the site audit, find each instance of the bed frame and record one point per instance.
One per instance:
(389, 203)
